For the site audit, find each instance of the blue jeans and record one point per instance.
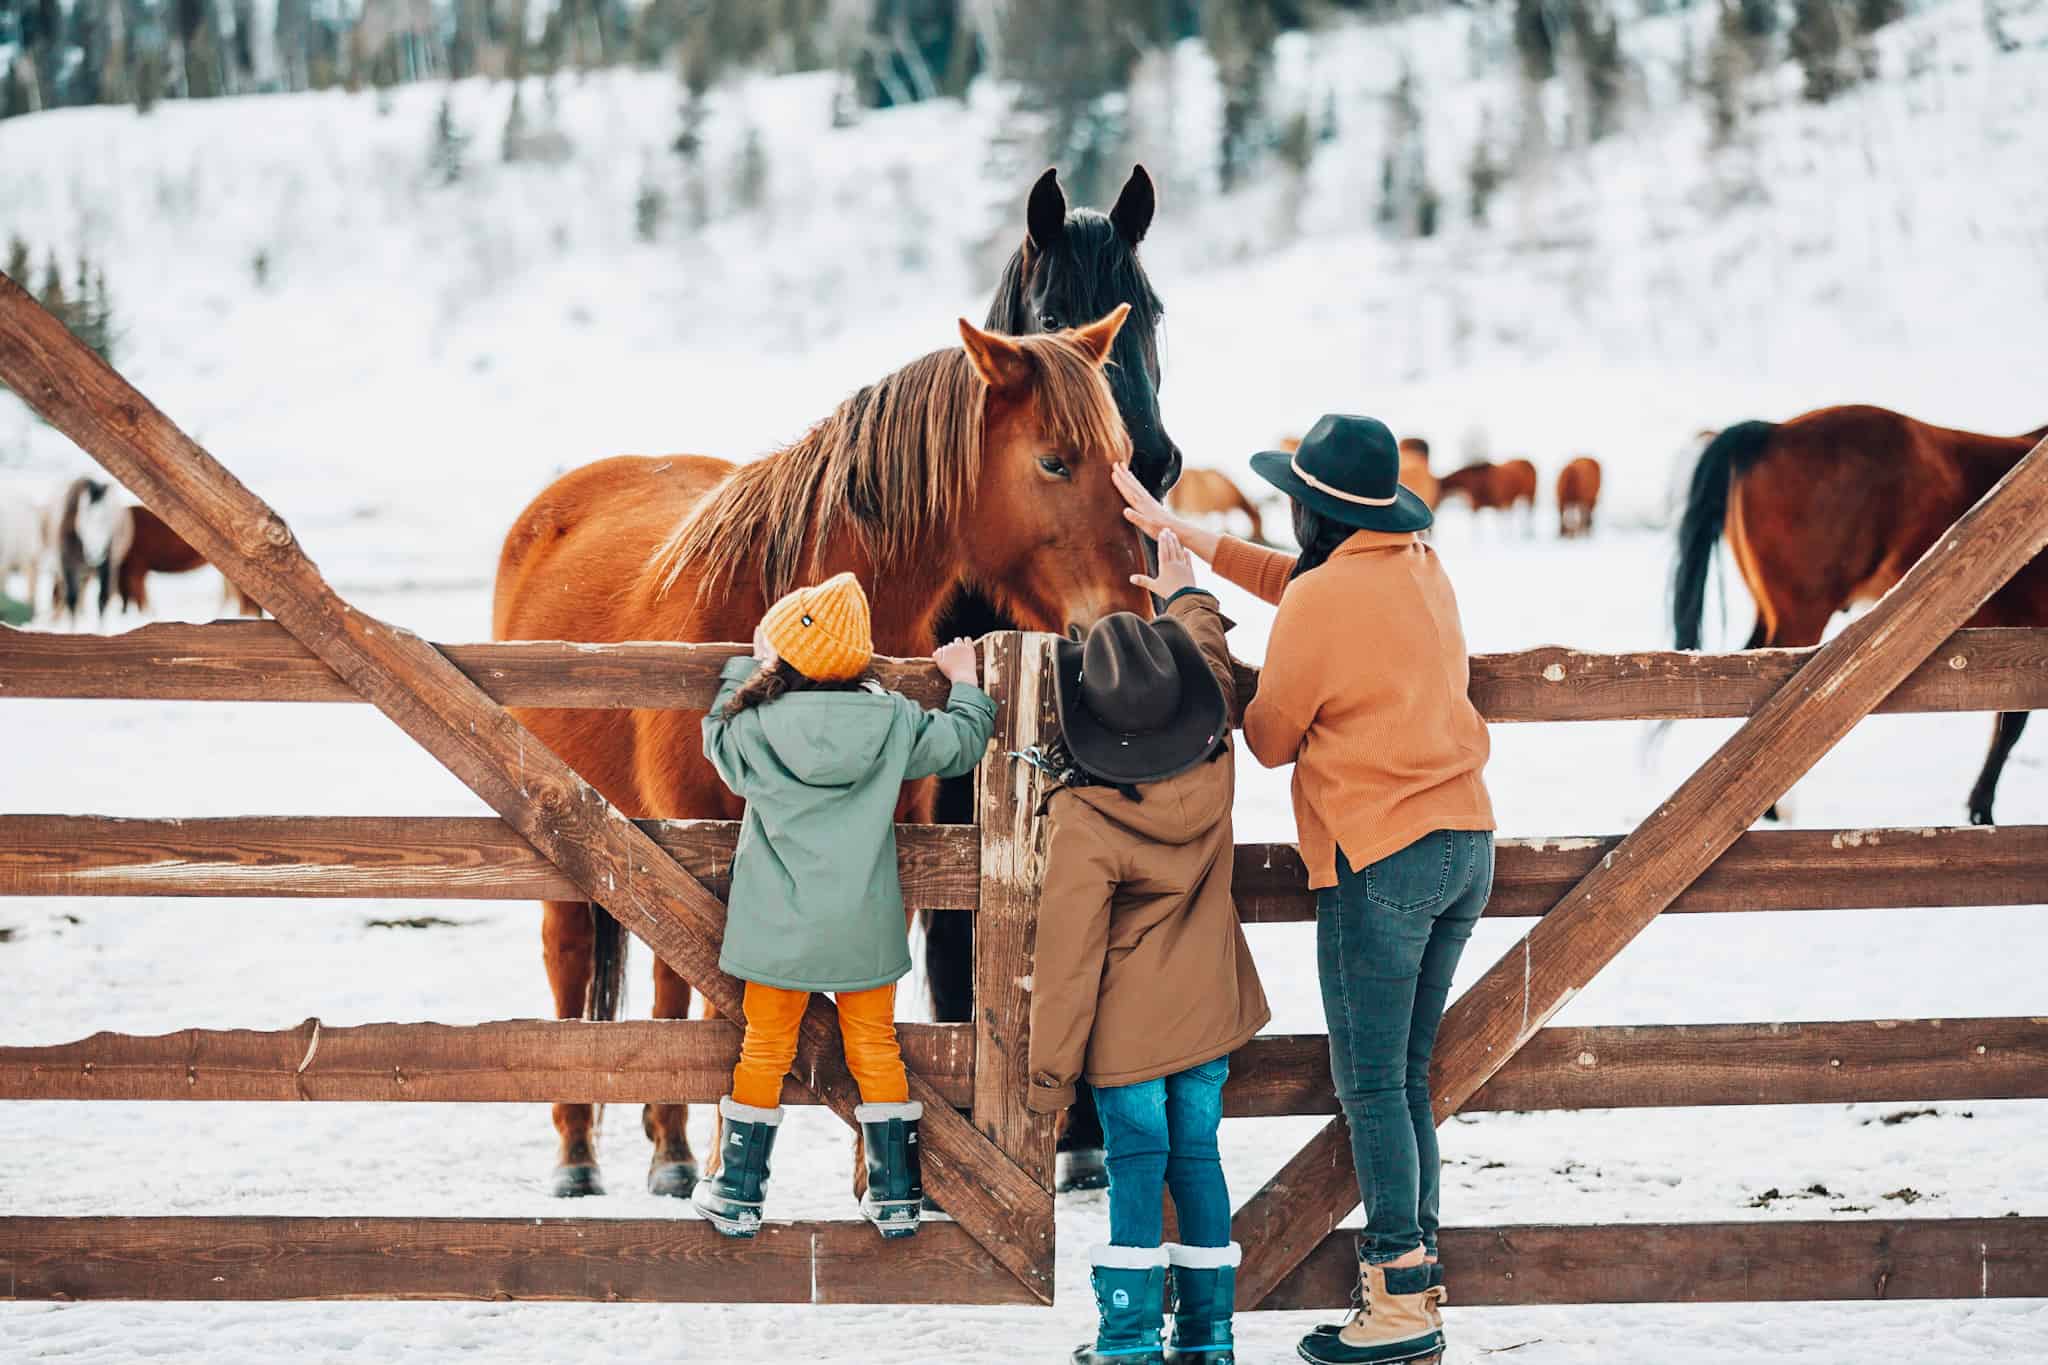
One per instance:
(1159, 1134)
(1388, 939)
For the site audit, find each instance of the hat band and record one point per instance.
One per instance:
(1294, 462)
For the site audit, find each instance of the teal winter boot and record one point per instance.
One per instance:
(894, 1200)
(1130, 1301)
(732, 1198)
(1204, 1297)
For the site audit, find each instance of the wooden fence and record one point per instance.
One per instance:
(988, 1159)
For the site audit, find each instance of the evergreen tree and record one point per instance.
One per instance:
(1730, 60)
(1818, 41)
(19, 265)
(1239, 35)
(1073, 61)
(448, 147)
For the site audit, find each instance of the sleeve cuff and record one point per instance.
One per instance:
(1194, 590)
(739, 668)
(1046, 1097)
(973, 696)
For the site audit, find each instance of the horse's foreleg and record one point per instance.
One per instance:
(568, 939)
(673, 1171)
(2005, 732)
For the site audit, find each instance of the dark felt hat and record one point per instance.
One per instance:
(1137, 701)
(1348, 469)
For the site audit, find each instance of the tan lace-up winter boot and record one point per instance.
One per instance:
(1386, 1328)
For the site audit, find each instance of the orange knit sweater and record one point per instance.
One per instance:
(1364, 691)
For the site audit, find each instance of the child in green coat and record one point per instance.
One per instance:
(821, 756)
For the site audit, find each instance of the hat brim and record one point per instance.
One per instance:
(1406, 513)
(1185, 741)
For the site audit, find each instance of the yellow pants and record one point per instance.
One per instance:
(867, 1028)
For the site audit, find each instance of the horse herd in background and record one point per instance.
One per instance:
(87, 536)
(1508, 487)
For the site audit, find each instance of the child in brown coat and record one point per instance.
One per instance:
(1143, 983)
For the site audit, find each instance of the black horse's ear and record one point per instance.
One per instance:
(1046, 216)
(1133, 212)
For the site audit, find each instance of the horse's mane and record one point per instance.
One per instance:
(1106, 268)
(896, 464)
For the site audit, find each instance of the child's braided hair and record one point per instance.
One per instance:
(769, 683)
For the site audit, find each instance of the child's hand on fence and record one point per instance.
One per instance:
(1176, 568)
(763, 651)
(956, 660)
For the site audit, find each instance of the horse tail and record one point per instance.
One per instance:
(1726, 457)
(607, 965)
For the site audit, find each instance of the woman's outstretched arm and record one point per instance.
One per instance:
(1254, 568)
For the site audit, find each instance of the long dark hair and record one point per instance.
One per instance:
(1318, 535)
(769, 683)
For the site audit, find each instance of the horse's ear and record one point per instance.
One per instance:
(1045, 218)
(1133, 212)
(999, 360)
(1097, 337)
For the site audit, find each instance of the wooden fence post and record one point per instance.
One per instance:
(1017, 670)
(1840, 684)
(610, 858)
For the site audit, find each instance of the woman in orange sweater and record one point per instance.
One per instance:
(1364, 691)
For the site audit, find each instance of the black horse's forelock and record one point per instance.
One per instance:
(1085, 275)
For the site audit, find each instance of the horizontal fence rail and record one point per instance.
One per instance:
(1759, 1262)
(590, 1260)
(664, 1260)
(478, 858)
(676, 1061)
(1974, 670)
(391, 857)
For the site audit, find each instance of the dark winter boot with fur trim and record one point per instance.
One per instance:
(1130, 1298)
(1204, 1297)
(732, 1198)
(895, 1195)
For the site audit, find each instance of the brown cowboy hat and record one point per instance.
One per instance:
(1137, 701)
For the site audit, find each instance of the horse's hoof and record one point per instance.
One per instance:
(672, 1179)
(1082, 1169)
(574, 1182)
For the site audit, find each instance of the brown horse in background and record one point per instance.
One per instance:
(1829, 510)
(983, 468)
(144, 545)
(1578, 493)
(1507, 487)
(1208, 493)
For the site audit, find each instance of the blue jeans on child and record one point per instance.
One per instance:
(1161, 1134)
(1388, 939)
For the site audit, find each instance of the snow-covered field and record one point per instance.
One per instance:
(421, 359)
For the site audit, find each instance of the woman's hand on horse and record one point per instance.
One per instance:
(1176, 567)
(1149, 515)
(956, 660)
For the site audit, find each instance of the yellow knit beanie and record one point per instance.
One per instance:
(822, 632)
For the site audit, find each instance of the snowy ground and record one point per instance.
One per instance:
(422, 360)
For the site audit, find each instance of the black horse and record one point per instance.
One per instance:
(1073, 267)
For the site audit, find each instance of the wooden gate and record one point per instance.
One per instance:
(989, 1165)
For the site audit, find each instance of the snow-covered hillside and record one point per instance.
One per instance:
(418, 358)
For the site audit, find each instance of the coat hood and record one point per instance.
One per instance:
(828, 739)
(1176, 811)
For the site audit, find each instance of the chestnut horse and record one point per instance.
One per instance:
(144, 545)
(1209, 493)
(1578, 492)
(1829, 510)
(1506, 486)
(984, 467)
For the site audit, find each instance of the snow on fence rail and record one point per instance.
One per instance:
(990, 1167)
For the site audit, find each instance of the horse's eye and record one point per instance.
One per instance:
(1055, 466)
(1048, 322)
